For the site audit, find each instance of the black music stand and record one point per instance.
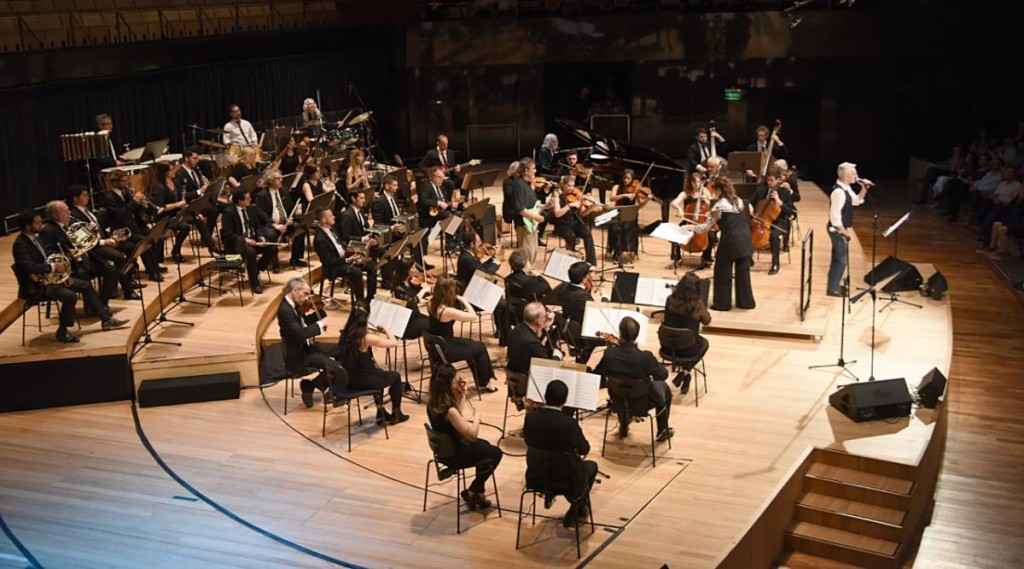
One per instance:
(152, 238)
(475, 212)
(743, 160)
(873, 290)
(479, 180)
(613, 213)
(416, 240)
(627, 214)
(894, 230)
(393, 252)
(153, 150)
(186, 216)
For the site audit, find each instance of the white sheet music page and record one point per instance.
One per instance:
(558, 265)
(434, 232)
(583, 387)
(653, 292)
(600, 317)
(680, 235)
(394, 317)
(483, 293)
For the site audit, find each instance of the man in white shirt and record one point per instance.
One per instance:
(238, 130)
(840, 223)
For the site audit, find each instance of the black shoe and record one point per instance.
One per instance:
(216, 251)
(257, 289)
(163, 269)
(299, 263)
(665, 435)
(306, 387)
(67, 338)
(703, 265)
(398, 417)
(131, 295)
(623, 431)
(428, 266)
(384, 417)
(685, 388)
(112, 323)
(681, 378)
(774, 270)
(155, 277)
(136, 286)
(178, 258)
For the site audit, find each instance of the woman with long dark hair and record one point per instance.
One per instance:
(357, 357)
(735, 252)
(445, 412)
(445, 309)
(685, 309)
(405, 288)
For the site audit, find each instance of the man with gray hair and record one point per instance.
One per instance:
(530, 339)
(840, 223)
(300, 324)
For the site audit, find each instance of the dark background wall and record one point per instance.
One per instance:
(871, 85)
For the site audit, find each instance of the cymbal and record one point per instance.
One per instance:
(213, 143)
(215, 130)
(360, 118)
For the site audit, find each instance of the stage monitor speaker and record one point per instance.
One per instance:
(931, 388)
(178, 390)
(882, 399)
(935, 287)
(909, 280)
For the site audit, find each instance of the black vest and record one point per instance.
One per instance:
(847, 213)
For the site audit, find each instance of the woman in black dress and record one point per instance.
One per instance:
(443, 316)
(685, 309)
(246, 167)
(569, 212)
(363, 373)
(444, 410)
(735, 250)
(624, 236)
(406, 286)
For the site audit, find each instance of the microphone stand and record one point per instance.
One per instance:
(369, 133)
(842, 363)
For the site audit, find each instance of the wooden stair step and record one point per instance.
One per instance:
(845, 507)
(845, 539)
(801, 560)
(859, 478)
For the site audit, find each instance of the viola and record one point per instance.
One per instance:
(487, 251)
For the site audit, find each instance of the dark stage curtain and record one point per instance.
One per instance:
(158, 104)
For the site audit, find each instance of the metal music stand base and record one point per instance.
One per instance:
(895, 298)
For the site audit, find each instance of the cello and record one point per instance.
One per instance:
(766, 212)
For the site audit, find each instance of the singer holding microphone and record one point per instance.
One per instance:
(840, 222)
(238, 130)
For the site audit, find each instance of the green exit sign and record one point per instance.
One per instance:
(734, 94)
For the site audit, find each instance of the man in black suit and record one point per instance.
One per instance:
(108, 249)
(527, 339)
(441, 157)
(355, 227)
(277, 206)
(774, 189)
(434, 192)
(626, 361)
(551, 429)
(524, 282)
(764, 137)
(128, 209)
(190, 180)
(574, 295)
(301, 351)
(241, 234)
(54, 236)
(336, 261)
(30, 261)
(698, 152)
(467, 266)
(385, 210)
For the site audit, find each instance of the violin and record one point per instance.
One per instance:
(316, 303)
(641, 194)
(609, 338)
(487, 251)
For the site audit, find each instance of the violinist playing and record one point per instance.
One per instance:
(479, 256)
(570, 208)
(410, 285)
(573, 167)
(300, 323)
(624, 237)
(775, 190)
(692, 206)
(531, 338)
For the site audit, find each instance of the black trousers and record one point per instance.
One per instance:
(182, 231)
(325, 357)
(623, 237)
(777, 236)
(380, 379)
(67, 296)
(481, 454)
(352, 275)
(109, 255)
(473, 352)
(256, 259)
(573, 231)
(149, 258)
(723, 283)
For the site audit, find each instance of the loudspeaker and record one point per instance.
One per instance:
(872, 400)
(931, 388)
(935, 287)
(216, 387)
(909, 280)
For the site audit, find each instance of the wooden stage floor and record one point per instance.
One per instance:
(79, 490)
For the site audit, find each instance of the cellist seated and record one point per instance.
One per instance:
(773, 198)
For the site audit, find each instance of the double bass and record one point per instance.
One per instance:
(767, 156)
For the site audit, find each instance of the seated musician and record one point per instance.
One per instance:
(685, 309)
(193, 183)
(532, 338)
(407, 286)
(32, 267)
(445, 309)
(238, 130)
(107, 250)
(385, 212)
(569, 212)
(624, 236)
(551, 429)
(435, 193)
(546, 163)
(697, 195)
(54, 236)
(313, 185)
(357, 344)
(474, 257)
(337, 262)
(246, 167)
(773, 189)
(698, 152)
(356, 177)
(170, 199)
(628, 362)
(763, 138)
(299, 325)
(109, 158)
(714, 167)
(524, 281)
(576, 294)
(441, 157)
(129, 209)
(353, 226)
(572, 167)
(277, 206)
(242, 232)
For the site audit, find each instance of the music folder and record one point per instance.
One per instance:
(482, 292)
(583, 386)
(395, 316)
(601, 317)
(558, 264)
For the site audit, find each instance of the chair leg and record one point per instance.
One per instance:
(519, 525)
(426, 484)
(348, 420)
(654, 456)
(604, 439)
(497, 499)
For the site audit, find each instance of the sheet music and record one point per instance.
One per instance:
(896, 226)
(452, 224)
(602, 318)
(394, 317)
(434, 232)
(653, 292)
(558, 265)
(606, 217)
(680, 235)
(583, 386)
(483, 293)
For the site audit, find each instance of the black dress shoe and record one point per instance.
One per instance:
(257, 289)
(666, 435)
(178, 258)
(384, 417)
(111, 323)
(299, 263)
(163, 269)
(67, 338)
(306, 387)
(131, 295)
(774, 270)
(398, 417)
(156, 277)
